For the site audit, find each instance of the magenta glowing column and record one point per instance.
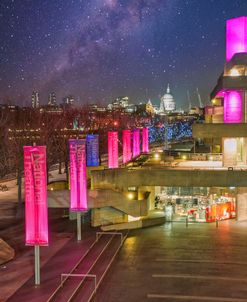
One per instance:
(126, 146)
(112, 149)
(78, 175)
(232, 107)
(36, 214)
(236, 38)
(145, 145)
(136, 142)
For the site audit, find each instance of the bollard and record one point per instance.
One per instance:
(187, 221)
(217, 223)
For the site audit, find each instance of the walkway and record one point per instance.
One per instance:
(172, 263)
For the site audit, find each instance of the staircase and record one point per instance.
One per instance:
(81, 283)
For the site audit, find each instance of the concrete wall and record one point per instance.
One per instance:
(168, 178)
(106, 216)
(104, 198)
(219, 130)
(241, 206)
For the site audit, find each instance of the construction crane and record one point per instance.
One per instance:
(199, 98)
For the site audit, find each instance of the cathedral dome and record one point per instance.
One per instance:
(167, 103)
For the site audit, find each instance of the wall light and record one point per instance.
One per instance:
(234, 72)
(130, 196)
(157, 156)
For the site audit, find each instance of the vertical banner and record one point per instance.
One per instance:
(92, 150)
(36, 213)
(126, 146)
(112, 149)
(145, 145)
(78, 175)
(136, 142)
(233, 105)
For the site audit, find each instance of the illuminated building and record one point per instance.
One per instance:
(52, 99)
(69, 100)
(119, 103)
(167, 102)
(202, 187)
(228, 112)
(35, 100)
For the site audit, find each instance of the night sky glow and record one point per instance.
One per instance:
(100, 49)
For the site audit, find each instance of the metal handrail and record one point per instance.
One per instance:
(64, 276)
(74, 292)
(80, 275)
(58, 288)
(108, 266)
(109, 233)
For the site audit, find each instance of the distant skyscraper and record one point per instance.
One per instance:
(69, 100)
(35, 99)
(52, 99)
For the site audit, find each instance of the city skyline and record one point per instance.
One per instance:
(99, 50)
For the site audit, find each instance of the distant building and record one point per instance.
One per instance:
(167, 102)
(52, 99)
(119, 103)
(35, 100)
(69, 100)
(96, 108)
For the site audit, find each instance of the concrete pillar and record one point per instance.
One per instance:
(143, 190)
(241, 204)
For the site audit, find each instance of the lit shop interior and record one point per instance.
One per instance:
(198, 204)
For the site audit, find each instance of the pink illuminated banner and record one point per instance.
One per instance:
(78, 175)
(145, 145)
(232, 107)
(112, 149)
(36, 214)
(236, 38)
(126, 146)
(136, 142)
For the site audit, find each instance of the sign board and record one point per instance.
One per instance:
(92, 150)
(136, 142)
(36, 213)
(78, 175)
(126, 146)
(145, 145)
(112, 149)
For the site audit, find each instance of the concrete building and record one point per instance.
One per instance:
(225, 128)
(202, 187)
(199, 187)
(35, 100)
(52, 99)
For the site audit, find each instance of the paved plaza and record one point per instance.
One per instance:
(173, 263)
(164, 263)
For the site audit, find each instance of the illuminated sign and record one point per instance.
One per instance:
(112, 149)
(145, 146)
(236, 38)
(126, 146)
(92, 150)
(78, 175)
(136, 142)
(233, 107)
(36, 214)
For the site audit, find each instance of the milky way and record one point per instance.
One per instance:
(97, 50)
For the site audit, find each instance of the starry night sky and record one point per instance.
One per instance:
(100, 49)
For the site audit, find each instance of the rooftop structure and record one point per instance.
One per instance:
(167, 103)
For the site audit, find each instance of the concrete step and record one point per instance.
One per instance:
(6, 252)
(142, 223)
